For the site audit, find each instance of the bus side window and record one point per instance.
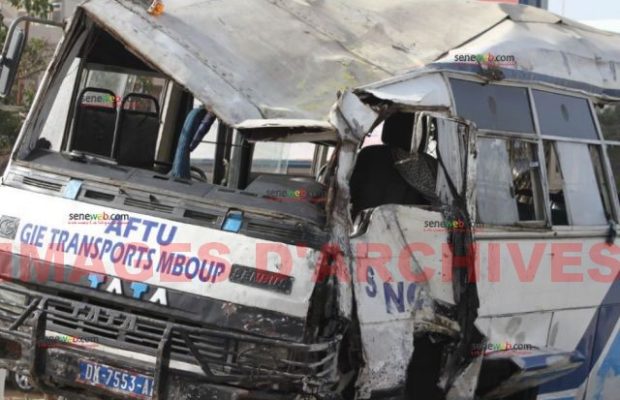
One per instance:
(578, 188)
(508, 181)
(609, 119)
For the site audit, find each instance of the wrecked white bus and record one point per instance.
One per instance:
(329, 200)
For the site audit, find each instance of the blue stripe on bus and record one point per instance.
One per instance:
(593, 342)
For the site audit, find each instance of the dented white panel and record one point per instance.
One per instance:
(531, 275)
(40, 236)
(519, 331)
(394, 287)
(428, 90)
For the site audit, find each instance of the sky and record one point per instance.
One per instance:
(603, 14)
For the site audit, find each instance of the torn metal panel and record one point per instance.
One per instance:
(235, 59)
(465, 385)
(273, 59)
(394, 298)
(353, 120)
(288, 130)
(395, 35)
(426, 90)
(513, 371)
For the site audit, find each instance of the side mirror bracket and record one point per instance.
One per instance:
(13, 50)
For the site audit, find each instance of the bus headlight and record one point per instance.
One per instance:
(12, 302)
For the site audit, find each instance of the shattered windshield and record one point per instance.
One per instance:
(122, 120)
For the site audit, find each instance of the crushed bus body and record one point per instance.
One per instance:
(330, 200)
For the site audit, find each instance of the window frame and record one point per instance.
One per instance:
(608, 170)
(610, 191)
(83, 75)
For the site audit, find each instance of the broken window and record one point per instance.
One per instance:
(449, 144)
(508, 181)
(555, 184)
(54, 127)
(509, 175)
(609, 119)
(399, 170)
(613, 152)
(577, 183)
(579, 190)
(120, 118)
(596, 155)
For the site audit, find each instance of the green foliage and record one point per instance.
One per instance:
(35, 58)
(10, 122)
(3, 30)
(38, 8)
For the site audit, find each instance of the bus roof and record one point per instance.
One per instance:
(253, 60)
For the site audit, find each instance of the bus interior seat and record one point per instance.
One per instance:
(95, 122)
(137, 131)
(375, 180)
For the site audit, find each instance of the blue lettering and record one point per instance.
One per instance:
(149, 257)
(114, 227)
(95, 252)
(392, 297)
(73, 244)
(148, 225)
(411, 293)
(165, 262)
(85, 246)
(162, 231)
(205, 277)
(192, 274)
(371, 288)
(219, 270)
(55, 232)
(107, 245)
(115, 254)
(130, 226)
(139, 289)
(26, 233)
(95, 280)
(177, 269)
(39, 239)
(32, 234)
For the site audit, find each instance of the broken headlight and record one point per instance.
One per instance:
(12, 302)
(261, 357)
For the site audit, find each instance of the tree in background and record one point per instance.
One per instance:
(10, 121)
(35, 58)
(38, 8)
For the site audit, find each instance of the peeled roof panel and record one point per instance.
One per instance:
(423, 90)
(287, 59)
(275, 59)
